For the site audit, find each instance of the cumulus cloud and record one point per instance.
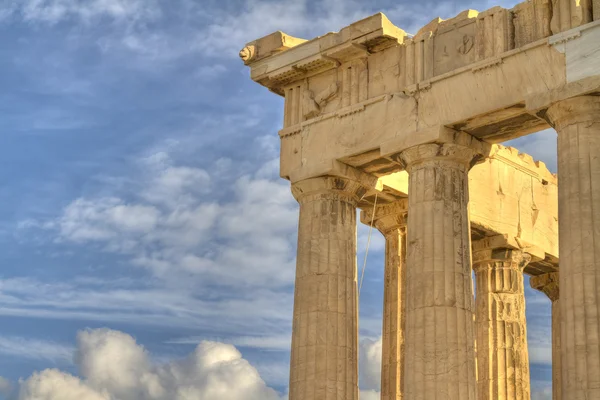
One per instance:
(53, 384)
(113, 366)
(370, 364)
(223, 260)
(5, 386)
(172, 226)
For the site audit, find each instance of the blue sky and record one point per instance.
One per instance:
(140, 193)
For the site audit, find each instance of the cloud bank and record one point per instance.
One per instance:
(113, 366)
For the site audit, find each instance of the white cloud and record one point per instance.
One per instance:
(370, 395)
(370, 364)
(240, 234)
(113, 366)
(53, 384)
(105, 219)
(5, 386)
(268, 342)
(543, 394)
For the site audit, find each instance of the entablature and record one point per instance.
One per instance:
(350, 95)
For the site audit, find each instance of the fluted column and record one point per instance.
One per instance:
(324, 358)
(439, 337)
(501, 324)
(393, 315)
(390, 220)
(577, 121)
(548, 284)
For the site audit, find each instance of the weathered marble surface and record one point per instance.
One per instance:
(502, 354)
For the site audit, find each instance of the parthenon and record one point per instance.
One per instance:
(407, 128)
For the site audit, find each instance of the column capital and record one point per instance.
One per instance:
(574, 110)
(547, 283)
(504, 248)
(310, 189)
(463, 155)
(514, 259)
(483, 259)
(388, 218)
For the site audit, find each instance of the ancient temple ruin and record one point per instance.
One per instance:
(406, 128)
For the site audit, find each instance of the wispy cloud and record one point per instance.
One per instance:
(35, 349)
(86, 11)
(280, 342)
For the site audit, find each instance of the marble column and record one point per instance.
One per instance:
(393, 315)
(501, 325)
(439, 338)
(390, 220)
(548, 283)
(324, 357)
(577, 122)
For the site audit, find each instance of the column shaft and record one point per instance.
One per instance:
(324, 358)
(548, 283)
(556, 356)
(393, 316)
(577, 121)
(502, 354)
(439, 338)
